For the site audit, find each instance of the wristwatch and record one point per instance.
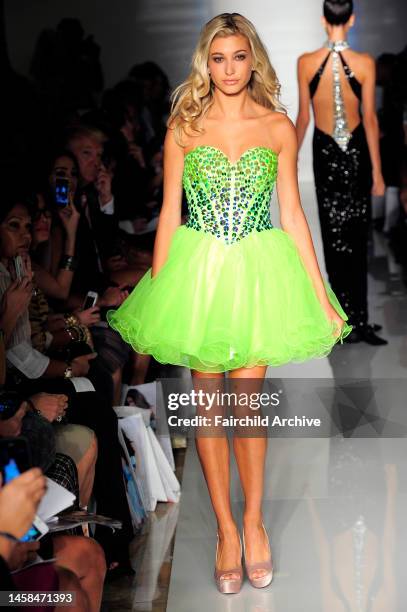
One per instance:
(68, 371)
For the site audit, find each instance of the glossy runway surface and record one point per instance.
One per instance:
(335, 512)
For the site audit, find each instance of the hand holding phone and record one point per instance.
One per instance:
(36, 531)
(19, 500)
(22, 483)
(16, 298)
(88, 317)
(19, 268)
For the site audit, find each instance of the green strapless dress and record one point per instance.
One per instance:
(233, 291)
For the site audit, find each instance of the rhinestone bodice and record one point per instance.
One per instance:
(229, 199)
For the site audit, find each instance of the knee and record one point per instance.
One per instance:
(82, 555)
(68, 581)
(117, 375)
(93, 449)
(97, 557)
(90, 554)
(88, 459)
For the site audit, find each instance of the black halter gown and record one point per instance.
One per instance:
(343, 184)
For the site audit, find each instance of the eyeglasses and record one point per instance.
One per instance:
(42, 212)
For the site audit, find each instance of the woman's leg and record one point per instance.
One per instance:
(84, 557)
(139, 369)
(250, 453)
(86, 472)
(69, 582)
(213, 452)
(117, 386)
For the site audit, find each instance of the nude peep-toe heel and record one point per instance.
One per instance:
(267, 565)
(228, 585)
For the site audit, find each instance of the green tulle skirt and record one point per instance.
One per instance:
(215, 307)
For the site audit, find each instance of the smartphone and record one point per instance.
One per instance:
(15, 458)
(61, 191)
(90, 300)
(36, 531)
(19, 267)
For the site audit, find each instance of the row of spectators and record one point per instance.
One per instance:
(82, 190)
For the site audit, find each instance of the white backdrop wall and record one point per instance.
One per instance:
(165, 31)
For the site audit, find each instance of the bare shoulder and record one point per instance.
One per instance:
(281, 129)
(363, 64)
(171, 145)
(304, 58)
(310, 57)
(362, 57)
(368, 61)
(309, 62)
(277, 118)
(360, 60)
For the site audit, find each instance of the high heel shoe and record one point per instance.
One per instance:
(228, 585)
(267, 565)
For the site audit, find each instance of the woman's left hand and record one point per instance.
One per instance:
(51, 406)
(70, 218)
(335, 318)
(88, 317)
(27, 266)
(378, 187)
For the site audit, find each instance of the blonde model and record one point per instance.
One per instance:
(227, 291)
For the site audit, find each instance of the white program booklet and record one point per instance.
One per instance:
(56, 499)
(82, 384)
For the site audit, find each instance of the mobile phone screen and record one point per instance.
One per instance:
(88, 303)
(90, 300)
(32, 534)
(10, 471)
(15, 457)
(62, 191)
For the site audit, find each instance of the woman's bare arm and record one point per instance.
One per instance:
(303, 116)
(170, 215)
(371, 124)
(292, 217)
(54, 287)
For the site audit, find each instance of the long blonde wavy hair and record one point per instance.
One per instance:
(192, 99)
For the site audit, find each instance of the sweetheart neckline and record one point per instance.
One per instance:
(234, 163)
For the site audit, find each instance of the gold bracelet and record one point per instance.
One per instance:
(71, 320)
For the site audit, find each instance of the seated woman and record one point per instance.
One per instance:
(56, 238)
(16, 418)
(34, 418)
(34, 372)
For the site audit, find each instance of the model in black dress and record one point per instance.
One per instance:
(343, 179)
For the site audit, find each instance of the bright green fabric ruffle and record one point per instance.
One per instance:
(214, 307)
